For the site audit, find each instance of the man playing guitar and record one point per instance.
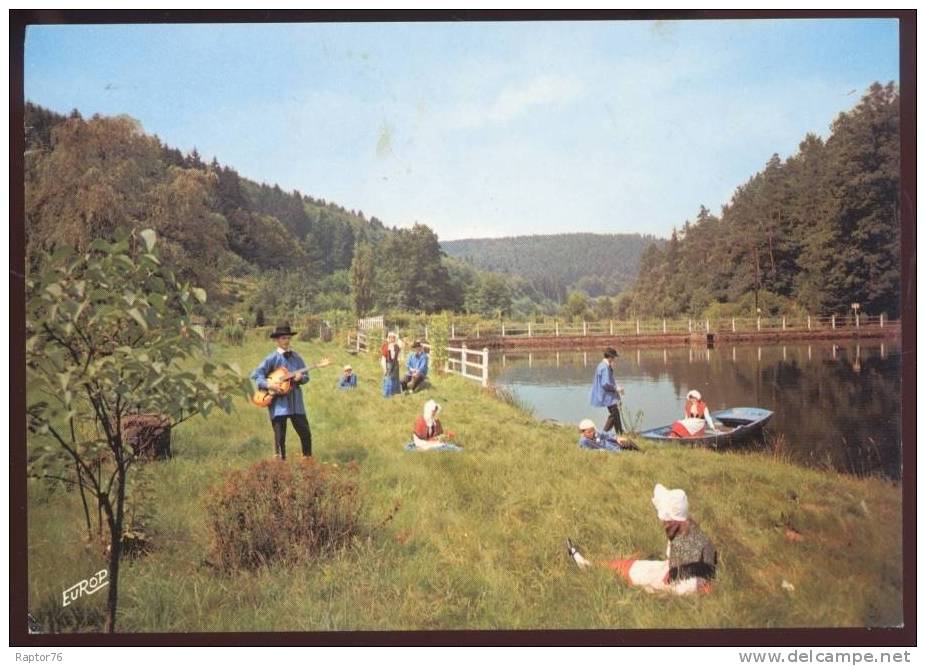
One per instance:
(286, 404)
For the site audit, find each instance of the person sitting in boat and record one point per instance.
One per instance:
(428, 433)
(348, 379)
(696, 420)
(590, 438)
(691, 559)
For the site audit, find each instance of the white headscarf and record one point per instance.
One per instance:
(430, 411)
(670, 504)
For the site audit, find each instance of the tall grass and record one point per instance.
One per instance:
(474, 539)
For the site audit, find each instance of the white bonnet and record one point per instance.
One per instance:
(670, 504)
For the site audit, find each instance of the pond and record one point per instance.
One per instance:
(836, 404)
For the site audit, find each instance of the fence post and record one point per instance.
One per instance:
(707, 325)
(453, 331)
(503, 329)
(758, 323)
(834, 322)
(611, 325)
(856, 320)
(584, 327)
(529, 333)
(783, 323)
(485, 366)
(663, 326)
(808, 322)
(689, 326)
(358, 342)
(463, 359)
(882, 320)
(638, 327)
(556, 327)
(477, 330)
(733, 324)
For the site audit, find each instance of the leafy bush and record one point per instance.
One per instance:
(275, 511)
(233, 335)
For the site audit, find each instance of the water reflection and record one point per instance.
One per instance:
(835, 406)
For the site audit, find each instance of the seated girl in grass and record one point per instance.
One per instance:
(590, 438)
(691, 557)
(428, 434)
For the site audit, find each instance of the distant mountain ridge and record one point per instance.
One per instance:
(556, 263)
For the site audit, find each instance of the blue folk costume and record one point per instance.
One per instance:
(601, 442)
(347, 383)
(389, 359)
(605, 394)
(290, 406)
(417, 362)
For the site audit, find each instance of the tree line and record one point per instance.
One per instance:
(815, 232)
(249, 244)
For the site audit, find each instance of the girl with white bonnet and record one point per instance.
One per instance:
(696, 419)
(691, 559)
(389, 361)
(428, 434)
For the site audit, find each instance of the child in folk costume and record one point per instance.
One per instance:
(389, 361)
(348, 379)
(590, 438)
(691, 559)
(428, 432)
(697, 418)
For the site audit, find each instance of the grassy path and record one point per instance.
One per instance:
(477, 539)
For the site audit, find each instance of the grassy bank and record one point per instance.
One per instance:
(477, 541)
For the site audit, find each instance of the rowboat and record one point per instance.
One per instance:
(745, 422)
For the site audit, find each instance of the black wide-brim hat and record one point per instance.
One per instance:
(283, 329)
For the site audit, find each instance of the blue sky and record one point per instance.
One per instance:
(479, 129)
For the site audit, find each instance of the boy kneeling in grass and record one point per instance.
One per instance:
(691, 557)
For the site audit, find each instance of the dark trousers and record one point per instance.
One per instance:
(301, 424)
(411, 382)
(614, 419)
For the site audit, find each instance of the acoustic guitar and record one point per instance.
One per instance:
(282, 378)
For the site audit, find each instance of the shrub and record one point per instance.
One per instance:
(233, 335)
(275, 511)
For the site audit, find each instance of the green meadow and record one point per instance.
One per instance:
(475, 538)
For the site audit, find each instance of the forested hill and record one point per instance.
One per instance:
(817, 231)
(258, 250)
(595, 263)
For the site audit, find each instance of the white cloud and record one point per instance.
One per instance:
(515, 101)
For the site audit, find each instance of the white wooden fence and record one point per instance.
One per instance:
(358, 341)
(462, 364)
(509, 329)
(371, 323)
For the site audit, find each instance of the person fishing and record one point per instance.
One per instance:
(606, 393)
(691, 558)
(696, 420)
(590, 438)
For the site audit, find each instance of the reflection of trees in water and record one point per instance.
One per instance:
(841, 412)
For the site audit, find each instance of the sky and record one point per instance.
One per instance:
(480, 129)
